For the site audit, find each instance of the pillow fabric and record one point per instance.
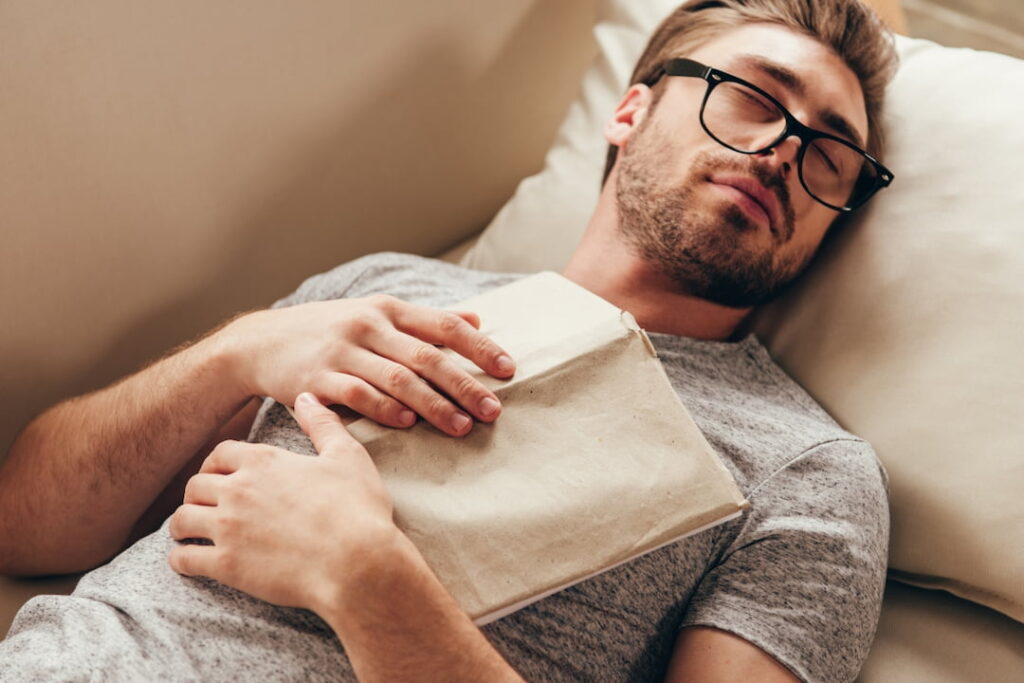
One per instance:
(552, 207)
(907, 328)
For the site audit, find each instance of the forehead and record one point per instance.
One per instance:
(830, 83)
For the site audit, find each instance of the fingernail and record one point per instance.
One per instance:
(505, 364)
(460, 422)
(307, 398)
(489, 406)
(406, 417)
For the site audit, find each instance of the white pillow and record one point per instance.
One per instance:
(908, 329)
(552, 207)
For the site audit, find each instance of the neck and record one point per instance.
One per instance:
(606, 264)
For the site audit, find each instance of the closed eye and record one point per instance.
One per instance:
(824, 157)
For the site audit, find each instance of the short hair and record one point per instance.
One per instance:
(849, 27)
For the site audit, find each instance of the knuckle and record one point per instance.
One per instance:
(319, 383)
(384, 302)
(353, 393)
(188, 564)
(172, 524)
(239, 493)
(180, 562)
(255, 456)
(441, 408)
(264, 453)
(227, 524)
(485, 347)
(362, 323)
(450, 324)
(226, 563)
(399, 377)
(322, 422)
(425, 355)
(466, 387)
(225, 446)
(385, 406)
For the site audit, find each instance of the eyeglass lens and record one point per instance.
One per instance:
(741, 118)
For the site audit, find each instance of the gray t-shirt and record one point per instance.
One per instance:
(800, 574)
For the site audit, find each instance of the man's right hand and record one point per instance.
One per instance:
(371, 355)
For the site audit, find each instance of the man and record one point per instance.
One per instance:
(733, 152)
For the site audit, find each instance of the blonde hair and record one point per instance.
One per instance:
(849, 27)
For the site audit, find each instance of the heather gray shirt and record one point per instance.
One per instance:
(800, 574)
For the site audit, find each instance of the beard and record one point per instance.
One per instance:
(701, 249)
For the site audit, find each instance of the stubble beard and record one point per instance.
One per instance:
(702, 252)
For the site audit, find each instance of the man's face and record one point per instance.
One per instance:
(678, 193)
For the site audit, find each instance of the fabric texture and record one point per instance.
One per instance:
(800, 574)
(908, 326)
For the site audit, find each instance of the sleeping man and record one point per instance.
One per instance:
(749, 127)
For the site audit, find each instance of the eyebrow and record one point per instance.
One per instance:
(789, 79)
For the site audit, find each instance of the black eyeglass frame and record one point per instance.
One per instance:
(690, 68)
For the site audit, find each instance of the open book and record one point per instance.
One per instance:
(594, 460)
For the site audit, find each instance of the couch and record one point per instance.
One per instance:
(169, 164)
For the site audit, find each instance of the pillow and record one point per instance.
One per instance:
(908, 328)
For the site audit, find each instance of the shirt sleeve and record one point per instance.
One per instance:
(330, 285)
(802, 574)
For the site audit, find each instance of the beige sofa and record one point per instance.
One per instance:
(168, 164)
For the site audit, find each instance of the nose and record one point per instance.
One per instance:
(783, 155)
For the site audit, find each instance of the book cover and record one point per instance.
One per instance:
(594, 460)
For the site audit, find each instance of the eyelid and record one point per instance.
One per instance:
(757, 97)
(766, 88)
(781, 99)
(772, 88)
(828, 161)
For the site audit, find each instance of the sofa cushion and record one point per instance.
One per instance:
(907, 328)
(934, 637)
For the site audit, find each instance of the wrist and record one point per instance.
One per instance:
(371, 579)
(393, 616)
(231, 358)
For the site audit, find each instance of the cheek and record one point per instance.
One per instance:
(812, 224)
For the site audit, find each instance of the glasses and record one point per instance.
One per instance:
(746, 119)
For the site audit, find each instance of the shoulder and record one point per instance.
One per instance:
(407, 276)
(802, 572)
(337, 282)
(762, 422)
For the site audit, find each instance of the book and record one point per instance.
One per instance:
(594, 460)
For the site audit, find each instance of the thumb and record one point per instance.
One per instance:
(323, 426)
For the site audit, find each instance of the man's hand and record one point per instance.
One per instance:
(372, 356)
(284, 526)
(318, 533)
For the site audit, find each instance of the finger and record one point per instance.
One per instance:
(193, 521)
(194, 560)
(225, 458)
(203, 489)
(364, 398)
(449, 329)
(408, 387)
(324, 428)
(432, 364)
(470, 317)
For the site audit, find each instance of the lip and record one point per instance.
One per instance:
(757, 192)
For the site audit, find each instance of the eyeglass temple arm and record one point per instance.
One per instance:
(678, 67)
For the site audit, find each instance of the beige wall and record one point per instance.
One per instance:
(165, 164)
(993, 25)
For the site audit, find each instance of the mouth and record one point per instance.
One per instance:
(754, 198)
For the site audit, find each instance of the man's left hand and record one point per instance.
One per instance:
(285, 526)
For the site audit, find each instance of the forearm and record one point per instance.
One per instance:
(397, 622)
(80, 475)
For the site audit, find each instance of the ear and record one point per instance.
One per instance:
(631, 110)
